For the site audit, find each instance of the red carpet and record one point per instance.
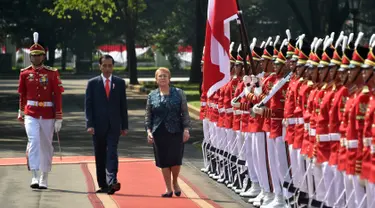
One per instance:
(64, 160)
(141, 186)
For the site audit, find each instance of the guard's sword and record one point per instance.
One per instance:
(58, 142)
(275, 89)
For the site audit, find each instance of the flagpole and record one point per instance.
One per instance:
(244, 38)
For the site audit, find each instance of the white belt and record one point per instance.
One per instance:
(351, 144)
(335, 136)
(213, 105)
(323, 138)
(367, 141)
(307, 126)
(245, 112)
(291, 121)
(237, 112)
(372, 149)
(300, 121)
(229, 110)
(221, 110)
(312, 132)
(39, 103)
(343, 142)
(203, 103)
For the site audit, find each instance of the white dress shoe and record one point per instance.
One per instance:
(277, 202)
(34, 179)
(257, 198)
(267, 199)
(43, 182)
(204, 170)
(253, 191)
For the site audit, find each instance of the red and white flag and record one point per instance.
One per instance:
(216, 68)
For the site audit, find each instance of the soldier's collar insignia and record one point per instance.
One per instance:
(30, 77)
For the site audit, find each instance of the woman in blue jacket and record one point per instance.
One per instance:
(167, 122)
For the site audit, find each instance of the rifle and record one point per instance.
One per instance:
(244, 40)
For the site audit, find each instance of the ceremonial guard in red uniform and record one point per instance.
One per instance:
(301, 94)
(228, 121)
(255, 144)
(40, 108)
(359, 95)
(240, 127)
(323, 175)
(335, 182)
(369, 78)
(259, 152)
(277, 146)
(290, 120)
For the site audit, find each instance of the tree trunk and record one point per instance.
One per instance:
(63, 58)
(301, 21)
(195, 71)
(338, 18)
(316, 29)
(131, 55)
(51, 53)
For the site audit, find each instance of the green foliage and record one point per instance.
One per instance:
(20, 60)
(88, 8)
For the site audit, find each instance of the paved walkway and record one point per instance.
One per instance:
(72, 180)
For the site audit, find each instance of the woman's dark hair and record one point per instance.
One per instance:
(106, 57)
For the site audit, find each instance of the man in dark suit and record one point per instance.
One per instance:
(106, 119)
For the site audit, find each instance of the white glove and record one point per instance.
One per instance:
(254, 80)
(236, 105)
(246, 80)
(258, 110)
(21, 115)
(247, 90)
(258, 91)
(58, 124)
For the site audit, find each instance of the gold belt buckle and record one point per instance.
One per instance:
(317, 138)
(41, 104)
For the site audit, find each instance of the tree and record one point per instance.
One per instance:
(325, 16)
(198, 43)
(125, 12)
(21, 18)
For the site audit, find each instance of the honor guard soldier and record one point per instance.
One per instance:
(357, 109)
(344, 103)
(290, 120)
(255, 146)
(265, 85)
(301, 94)
(367, 137)
(336, 109)
(322, 104)
(279, 157)
(40, 108)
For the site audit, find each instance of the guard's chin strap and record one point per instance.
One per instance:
(356, 76)
(368, 79)
(302, 71)
(265, 68)
(325, 77)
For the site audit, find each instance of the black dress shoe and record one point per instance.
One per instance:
(34, 186)
(102, 190)
(170, 194)
(177, 193)
(113, 188)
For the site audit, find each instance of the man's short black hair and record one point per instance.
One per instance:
(106, 57)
